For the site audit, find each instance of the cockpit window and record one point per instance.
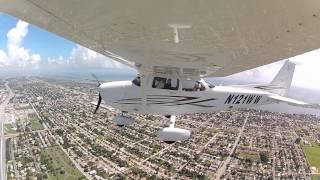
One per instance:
(165, 83)
(190, 85)
(136, 81)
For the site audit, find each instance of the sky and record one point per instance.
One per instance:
(25, 49)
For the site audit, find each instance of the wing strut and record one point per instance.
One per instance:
(144, 77)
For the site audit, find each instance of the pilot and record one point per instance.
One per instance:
(197, 87)
(160, 83)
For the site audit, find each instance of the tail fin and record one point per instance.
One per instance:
(282, 81)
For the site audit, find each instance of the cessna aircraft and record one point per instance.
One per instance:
(170, 96)
(174, 44)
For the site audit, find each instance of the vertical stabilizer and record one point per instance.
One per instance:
(282, 81)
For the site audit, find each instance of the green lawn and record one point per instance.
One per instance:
(313, 155)
(8, 129)
(252, 156)
(58, 164)
(315, 177)
(213, 130)
(35, 124)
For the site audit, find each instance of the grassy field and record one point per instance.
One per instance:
(313, 155)
(8, 129)
(252, 156)
(213, 130)
(59, 165)
(35, 124)
(316, 177)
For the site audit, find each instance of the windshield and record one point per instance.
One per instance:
(210, 84)
(136, 81)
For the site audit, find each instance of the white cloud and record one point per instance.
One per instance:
(16, 34)
(17, 56)
(306, 74)
(57, 62)
(3, 58)
(81, 57)
(307, 70)
(260, 74)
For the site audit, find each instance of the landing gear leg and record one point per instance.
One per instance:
(172, 121)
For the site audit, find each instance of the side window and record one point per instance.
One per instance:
(172, 84)
(190, 85)
(159, 82)
(165, 83)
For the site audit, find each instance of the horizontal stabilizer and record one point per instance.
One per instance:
(287, 100)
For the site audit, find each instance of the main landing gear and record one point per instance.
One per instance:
(168, 135)
(171, 134)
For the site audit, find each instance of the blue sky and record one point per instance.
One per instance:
(37, 40)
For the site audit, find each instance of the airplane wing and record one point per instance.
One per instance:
(287, 100)
(207, 37)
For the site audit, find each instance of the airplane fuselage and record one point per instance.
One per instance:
(126, 96)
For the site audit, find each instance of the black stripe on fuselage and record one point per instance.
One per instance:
(269, 87)
(158, 100)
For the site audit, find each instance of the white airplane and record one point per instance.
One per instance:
(174, 44)
(171, 96)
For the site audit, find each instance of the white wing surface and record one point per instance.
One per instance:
(214, 36)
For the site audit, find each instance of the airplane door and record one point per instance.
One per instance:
(199, 98)
(163, 93)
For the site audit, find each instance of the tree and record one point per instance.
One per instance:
(248, 161)
(153, 177)
(264, 157)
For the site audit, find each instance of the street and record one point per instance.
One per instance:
(223, 168)
(2, 138)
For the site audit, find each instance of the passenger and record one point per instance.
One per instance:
(168, 84)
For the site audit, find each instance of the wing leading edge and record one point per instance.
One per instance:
(220, 37)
